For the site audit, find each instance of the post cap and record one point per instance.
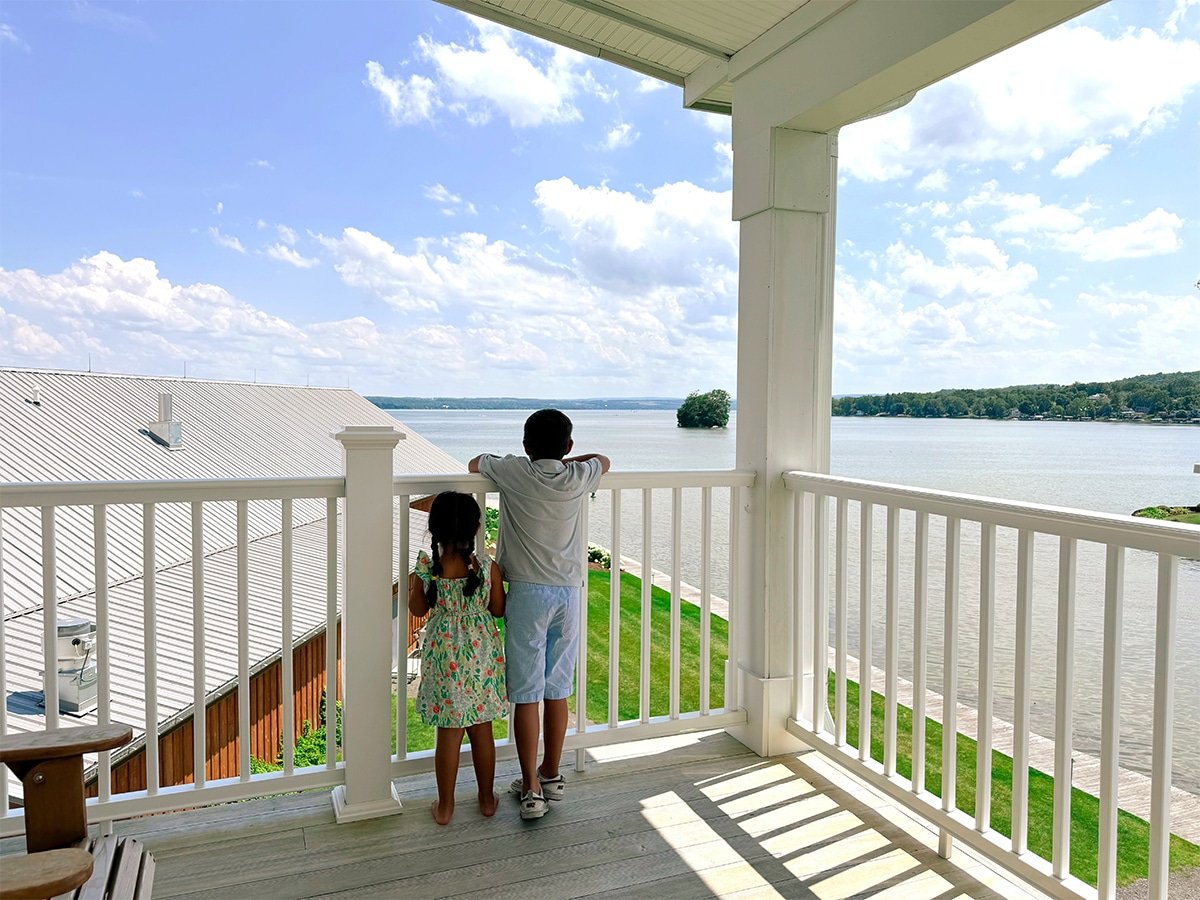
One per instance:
(369, 436)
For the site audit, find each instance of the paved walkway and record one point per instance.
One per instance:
(1133, 788)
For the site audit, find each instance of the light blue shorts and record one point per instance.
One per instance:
(541, 639)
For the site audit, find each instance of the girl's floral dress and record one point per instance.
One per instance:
(462, 655)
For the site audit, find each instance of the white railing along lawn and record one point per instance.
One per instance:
(814, 555)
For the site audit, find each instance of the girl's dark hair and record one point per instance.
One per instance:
(453, 523)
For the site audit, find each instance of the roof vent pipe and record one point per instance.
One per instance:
(35, 396)
(167, 431)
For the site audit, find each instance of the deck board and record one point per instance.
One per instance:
(695, 816)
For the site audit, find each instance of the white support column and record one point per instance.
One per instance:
(784, 185)
(367, 626)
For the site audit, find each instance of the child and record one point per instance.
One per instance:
(541, 549)
(462, 660)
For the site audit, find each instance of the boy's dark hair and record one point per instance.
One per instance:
(547, 434)
(453, 523)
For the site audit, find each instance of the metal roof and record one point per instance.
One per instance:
(89, 427)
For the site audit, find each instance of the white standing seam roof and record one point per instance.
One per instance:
(87, 427)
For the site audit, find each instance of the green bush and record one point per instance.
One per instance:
(599, 555)
(699, 410)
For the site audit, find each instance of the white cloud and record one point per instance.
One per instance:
(1175, 19)
(287, 235)
(225, 240)
(497, 72)
(219, 208)
(934, 181)
(9, 36)
(649, 85)
(406, 102)
(132, 319)
(1141, 325)
(261, 164)
(1080, 159)
(1040, 97)
(1155, 234)
(724, 151)
(137, 194)
(439, 193)
(286, 254)
(24, 340)
(620, 135)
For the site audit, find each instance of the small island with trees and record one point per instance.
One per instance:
(708, 410)
(1162, 398)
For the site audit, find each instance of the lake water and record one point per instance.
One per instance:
(1107, 467)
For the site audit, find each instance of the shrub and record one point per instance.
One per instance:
(599, 555)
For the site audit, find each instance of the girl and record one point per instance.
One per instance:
(462, 655)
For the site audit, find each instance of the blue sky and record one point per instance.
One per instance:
(411, 201)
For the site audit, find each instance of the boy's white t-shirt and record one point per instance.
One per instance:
(541, 537)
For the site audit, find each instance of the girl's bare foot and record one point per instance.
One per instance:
(443, 813)
(488, 803)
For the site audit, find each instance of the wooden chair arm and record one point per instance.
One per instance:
(46, 874)
(58, 743)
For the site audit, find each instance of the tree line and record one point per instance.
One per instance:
(1168, 396)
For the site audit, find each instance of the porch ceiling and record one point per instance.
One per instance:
(848, 59)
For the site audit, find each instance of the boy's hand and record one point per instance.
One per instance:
(473, 465)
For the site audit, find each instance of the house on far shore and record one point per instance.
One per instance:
(77, 427)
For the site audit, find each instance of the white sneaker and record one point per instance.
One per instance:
(552, 788)
(533, 806)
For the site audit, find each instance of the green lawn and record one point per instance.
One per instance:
(1133, 834)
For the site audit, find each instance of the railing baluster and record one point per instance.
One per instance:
(1024, 648)
(581, 685)
(1164, 709)
(866, 528)
(950, 684)
(920, 603)
(1110, 720)
(150, 644)
(733, 662)
(285, 645)
(243, 618)
(820, 623)
(400, 626)
(891, 647)
(647, 582)
(614, 613)
(841, 626)
(49, 617)
(676, 550)
(103, 656)
(199, 694)
(799, 530)
(705, 600)
(987, 617)
(1063, 708)
(331, 631)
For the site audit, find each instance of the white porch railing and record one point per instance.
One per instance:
(822, 599)
(136, 635)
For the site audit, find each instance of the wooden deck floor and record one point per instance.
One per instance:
(682, 817)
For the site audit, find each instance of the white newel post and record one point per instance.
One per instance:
(784, 183)
(367, 625)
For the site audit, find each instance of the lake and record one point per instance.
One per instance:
(1102, 466)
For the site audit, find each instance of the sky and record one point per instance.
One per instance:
(410, 201)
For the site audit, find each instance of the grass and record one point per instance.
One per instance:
(1189, 515)
(421, 736)
(1133, 834)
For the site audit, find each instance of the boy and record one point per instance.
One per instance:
(541, 553)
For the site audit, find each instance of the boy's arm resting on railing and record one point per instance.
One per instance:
(473, 465)
(418, 605)
(496, 599)
(605, 463)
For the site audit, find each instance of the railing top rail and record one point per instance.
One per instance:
(432, 483)
(1100, 527)
(80, 493)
